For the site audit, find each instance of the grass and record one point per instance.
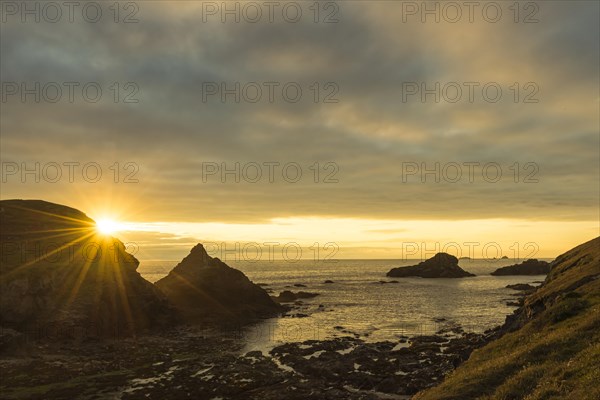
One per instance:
(556, 355)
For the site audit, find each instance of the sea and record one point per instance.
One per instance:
(358, 304)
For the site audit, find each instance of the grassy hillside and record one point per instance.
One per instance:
(550, 348)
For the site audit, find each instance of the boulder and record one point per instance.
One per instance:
(520, 286)
(204, 288)
(442, 265)
(529, 267)
(288, 297)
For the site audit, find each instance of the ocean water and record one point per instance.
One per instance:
(358, 304)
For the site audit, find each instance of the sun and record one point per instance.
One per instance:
(107, 226)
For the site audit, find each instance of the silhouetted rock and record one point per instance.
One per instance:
(60, 278)
(328, 281)
(529, 267)
(504, 258)
(521, 286)
(287, 296)
(441, 265)
(205, 288)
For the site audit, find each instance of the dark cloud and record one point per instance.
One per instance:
(369, 54)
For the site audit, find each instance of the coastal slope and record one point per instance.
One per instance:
(548, 349)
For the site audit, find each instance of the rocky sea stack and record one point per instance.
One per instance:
(529, 267)
(204, 288)
(442, 265)
(59, 277)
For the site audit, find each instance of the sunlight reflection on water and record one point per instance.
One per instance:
(357, 303)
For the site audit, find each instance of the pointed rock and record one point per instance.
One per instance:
(204, 288)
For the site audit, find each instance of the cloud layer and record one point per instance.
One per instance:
(370, 55)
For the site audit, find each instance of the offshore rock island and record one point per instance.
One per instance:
(442, 265)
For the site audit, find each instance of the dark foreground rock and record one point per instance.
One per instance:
(529, 267)
(191, 363)
(60, 277)
(441, 265)
(204, 288)
(385, 367)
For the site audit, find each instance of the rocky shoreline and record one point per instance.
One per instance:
(190, 362)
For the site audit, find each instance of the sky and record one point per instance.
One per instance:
(363, 129)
